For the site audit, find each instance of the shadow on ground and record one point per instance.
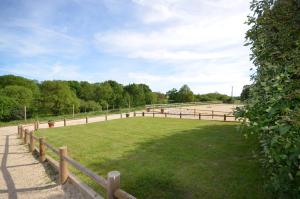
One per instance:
(212, 161)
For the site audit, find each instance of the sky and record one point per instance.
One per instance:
(163, 43)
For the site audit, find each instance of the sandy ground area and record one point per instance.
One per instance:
(23, 177)
(218, 110)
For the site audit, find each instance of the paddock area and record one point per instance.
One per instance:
(165, 157)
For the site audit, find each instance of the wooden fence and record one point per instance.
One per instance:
(111, 184)
(181, 115)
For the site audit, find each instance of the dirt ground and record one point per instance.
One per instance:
(23, 176)
(218, 110)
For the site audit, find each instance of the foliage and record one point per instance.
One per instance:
(86, 106)
(8, 108)
(58, 97)
(165, 158)
(22, 95)
(245, 95)
(273, 110)
(213, 97)
(183, 95)
(8, 80)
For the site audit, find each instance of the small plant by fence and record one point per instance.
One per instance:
(111, 184)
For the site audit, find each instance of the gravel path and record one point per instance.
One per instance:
(22, 176)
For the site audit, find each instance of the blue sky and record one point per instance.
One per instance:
(163, 43)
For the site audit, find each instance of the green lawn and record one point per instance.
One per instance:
(166, 158)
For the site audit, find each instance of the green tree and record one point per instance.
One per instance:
(22, 95)
(117, 94)
(137, 95)
(11, 80)
(273, 110)
(245, 93)
(185, 94)
(87, 106)
(9, 109)
(104, 94)
(87, 91)
(172, 95)
(57, 97)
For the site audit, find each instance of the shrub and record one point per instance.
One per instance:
(273, 109)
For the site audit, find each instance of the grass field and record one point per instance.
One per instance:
(166, 158)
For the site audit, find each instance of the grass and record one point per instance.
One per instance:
(45, 118)
(166, 158)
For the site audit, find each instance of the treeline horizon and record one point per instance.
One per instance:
(57, 97)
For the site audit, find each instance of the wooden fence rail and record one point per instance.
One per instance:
(111, 184)
(199, 115)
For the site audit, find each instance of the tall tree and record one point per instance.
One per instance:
(273, 110)
(57, 97)
(172, 95)
(185, 94)
(104, 94)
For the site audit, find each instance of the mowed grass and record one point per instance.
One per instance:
(163, 158)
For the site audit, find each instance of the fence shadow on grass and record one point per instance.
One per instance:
(203, 162)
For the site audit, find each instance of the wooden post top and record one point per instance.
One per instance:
(63, 148)
(113, 174)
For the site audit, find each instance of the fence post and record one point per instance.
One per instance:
(106, 117)
(194, 112)
(42, 149)
(21, 132)
(224, 117)
(153, 114)
(37, 125)
(113, 183)
(86, 120)
(212, 114)
(121, 116)
(63, 165)
(143, 114)
(26, 136)
(199, 116)
(65, 122)
(18, 130)
(134, 114)
(31, 145)
(180, 115)
(165, 114)
(25, 113)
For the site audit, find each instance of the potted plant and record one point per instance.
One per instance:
(51, 123)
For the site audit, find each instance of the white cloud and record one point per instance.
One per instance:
(202, 40)
(46, 71)
(35, 40)
(191, 37)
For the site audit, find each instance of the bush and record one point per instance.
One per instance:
(87, 106)
(273, 109)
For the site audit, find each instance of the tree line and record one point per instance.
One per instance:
(58, 97)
